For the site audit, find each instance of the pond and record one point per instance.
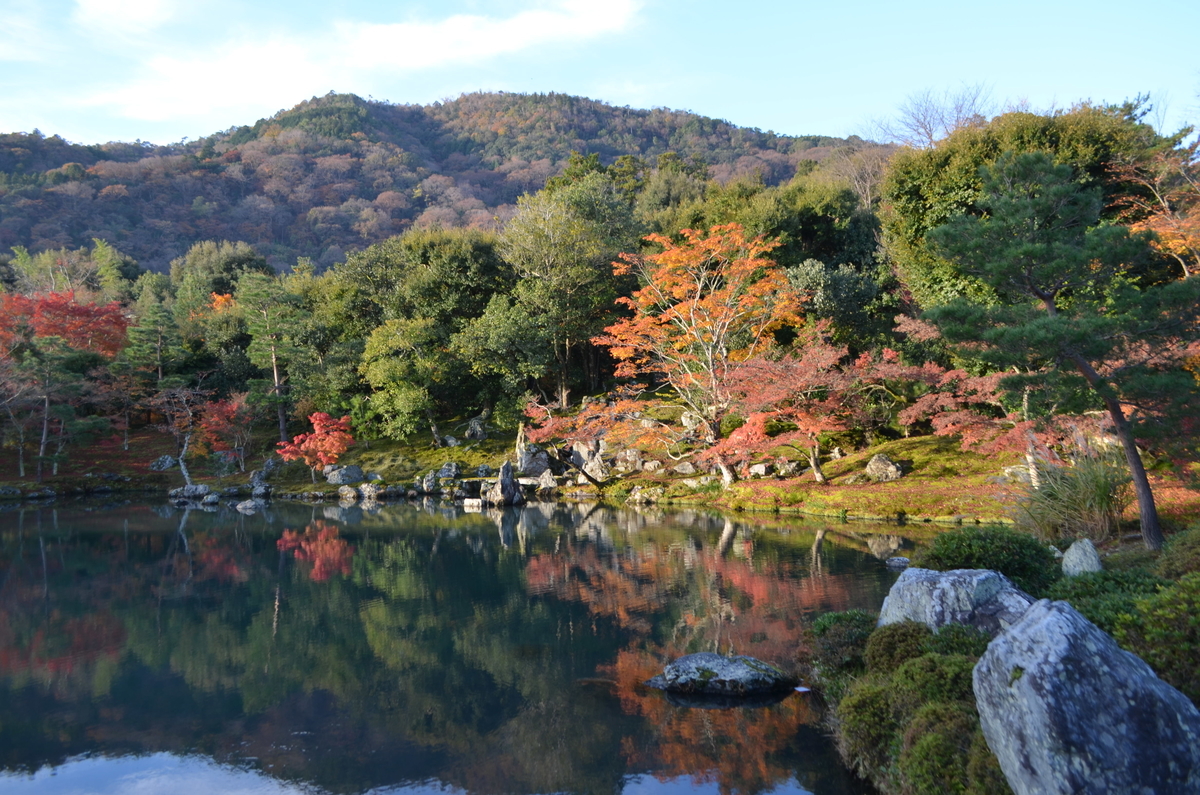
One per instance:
(411, 648)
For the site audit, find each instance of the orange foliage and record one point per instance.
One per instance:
(709, 303)
(325, 445)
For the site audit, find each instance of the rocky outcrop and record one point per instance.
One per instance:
(163, 463)
(194, 492)
(1081, 558)
(980, 598)
(714, 674)
(506, 490)
(450, 469)
(1067, 711)
(628, 460)
(345, 476)
(369, 491)
(645, 495)
(881, 469)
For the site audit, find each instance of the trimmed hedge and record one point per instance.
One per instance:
(1019, 556)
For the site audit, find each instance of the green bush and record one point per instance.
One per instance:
(940, 678)
(1164, 630)
(936, 747)
(1015, 554)
(984, 776)
(1181, 555)
(894, 644)
(1105, 596)
(959, 639)
(1085, 499)
(840, 640)
(866, 726)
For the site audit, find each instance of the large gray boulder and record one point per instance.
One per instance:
(506, 490)
(346, 476)
(163, 463)
(1081, 558)
(981, 598)
(450, 469)
(531, 459)
(882, 469)
(718, 675)
(1067, 711)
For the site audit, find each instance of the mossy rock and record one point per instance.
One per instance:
(894, 644)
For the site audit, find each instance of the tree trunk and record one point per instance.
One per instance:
(728, 478)
(433, 428)
(187, 476)
(45, 436)
(1147, 511)
(814, 462)
(283, 434)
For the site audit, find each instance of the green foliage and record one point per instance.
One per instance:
(894, 644)
(1181, 555)
(1015, 554)
(924, 189)
(933, 677)
(984, 776)
(840, 639)
(1084, 500)
(936, 747)
(1164, 630)
(866, 726)
(1105, 597)
(959, 639)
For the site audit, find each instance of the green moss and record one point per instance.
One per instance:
(1164, 630)
(1105, 597)
(943, 678)
(1181, 555)
(959, 639)
(840, 640)
(936, 747)
(866, 727)
(894, 644)
(984, 776)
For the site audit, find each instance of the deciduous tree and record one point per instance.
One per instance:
(325, 445)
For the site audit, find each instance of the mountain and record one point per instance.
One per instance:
(338, 172)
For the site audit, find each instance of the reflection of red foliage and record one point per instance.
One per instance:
(217, 561)
(88, 639)
(737, 748)
(320, 546)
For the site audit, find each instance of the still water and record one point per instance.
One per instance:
(409, 649)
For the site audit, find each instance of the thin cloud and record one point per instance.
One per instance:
(123, 17)
(259, 76)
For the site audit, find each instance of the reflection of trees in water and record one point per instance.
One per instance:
(428, 635)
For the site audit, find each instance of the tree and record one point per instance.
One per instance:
(1168, 202)
(708, 303)
(560, 244)
(1073, 310)
(325, 445)
(182, 408)
(226, 427)
(273, 317)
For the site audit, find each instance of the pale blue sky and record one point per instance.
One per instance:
(160, 70)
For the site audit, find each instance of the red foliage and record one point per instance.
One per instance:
(325, 445)
(320, 546)
(225, 426)
(89, 327)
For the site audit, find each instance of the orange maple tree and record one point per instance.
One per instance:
(1166, 202)
(325, 445)
(708, 303)
(225, 427)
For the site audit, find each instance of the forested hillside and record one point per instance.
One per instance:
(339, 173)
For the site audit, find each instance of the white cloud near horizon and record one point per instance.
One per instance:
(243, 76)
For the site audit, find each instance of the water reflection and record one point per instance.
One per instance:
(490, 652)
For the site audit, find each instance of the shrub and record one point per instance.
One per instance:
(867, 727)
(840, 639)
(1164, 630)
(1085, 499)
(894, 644)
(1182, 555)
(1015, 554)
(1105, 596)
(939, 678)
(959, 639)
(984, 776)
(936, 749)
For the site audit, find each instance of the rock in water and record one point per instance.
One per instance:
(717, 675)
(882, 469)
(1067, 711)
(1081, 558)
(346, 476)
(506, 490)
(978, 597)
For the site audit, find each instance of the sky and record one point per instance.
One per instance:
(165, 70)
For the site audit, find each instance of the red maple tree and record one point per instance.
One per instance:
(325, 445)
